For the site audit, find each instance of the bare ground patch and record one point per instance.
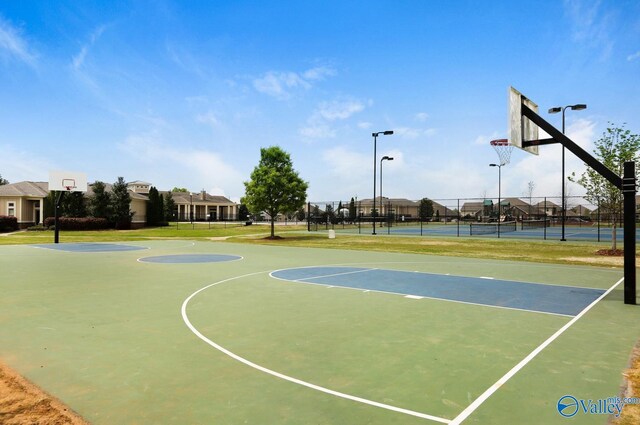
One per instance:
(21, 403)
(596, 261)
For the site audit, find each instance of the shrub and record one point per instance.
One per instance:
(37, 227)
(8, 224)
(78, 223)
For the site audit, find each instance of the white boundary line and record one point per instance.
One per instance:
(234, 356)
(492, 389)
(328, 275)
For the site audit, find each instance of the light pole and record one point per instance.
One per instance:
(375, 140)
(555, 110)
(384, 158)
(499, 190)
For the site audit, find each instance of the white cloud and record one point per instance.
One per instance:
(13, 45)
(339, 110)
(281, 85)
(634, 56)
(187, 166)
(350, 165)
(319, 73)
(278, 84)
(364, 125)
(413, 133)
(318, 125)
(17, 165)
(484, 140)
(209, 118)
(78, 60)
(317, 131)
(590, 24)
(422, 116)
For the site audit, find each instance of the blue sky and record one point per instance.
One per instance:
(185, 93)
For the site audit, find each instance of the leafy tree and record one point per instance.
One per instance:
(72, 205)
(48, 205)
(243, 212)
(3, 181)
(301, 214)
(352, 210)
(330, 214)
(616, 146)
(169, 207)
(180, 189)
(155, 208)
(425, 210)
(275, 187)
(121, 205)
(99, 202)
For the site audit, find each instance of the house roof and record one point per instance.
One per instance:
(139, 182)
(196, 198)
(36, 189)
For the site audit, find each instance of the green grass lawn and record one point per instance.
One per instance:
(296, 235)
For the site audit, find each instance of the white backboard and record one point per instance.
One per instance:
(71, 181)
(521, 128)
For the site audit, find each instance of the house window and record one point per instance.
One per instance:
(11, 209)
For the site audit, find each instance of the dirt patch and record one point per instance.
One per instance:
(596, 261)
(21, 403)
(219, 238)
(273, 238)
(631, 412)
(610, 252)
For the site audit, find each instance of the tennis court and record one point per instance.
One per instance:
(490, 230)
(235, 333)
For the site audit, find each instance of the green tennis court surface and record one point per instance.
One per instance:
(124, 341)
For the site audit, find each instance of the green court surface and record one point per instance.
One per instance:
(123, 341)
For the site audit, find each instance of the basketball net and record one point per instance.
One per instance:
(503, 148)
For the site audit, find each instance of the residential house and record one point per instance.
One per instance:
(24, 200)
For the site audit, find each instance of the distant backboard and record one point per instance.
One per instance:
(68, 181)
(521, 128)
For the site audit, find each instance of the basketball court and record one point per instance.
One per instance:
(294, 335)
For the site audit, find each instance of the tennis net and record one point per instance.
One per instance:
(489, 228)
(535, 224)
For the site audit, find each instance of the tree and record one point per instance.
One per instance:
(425, 210)
(99, 203)
(616, 146)
(180, 189)
(3, 181)
(352, 210)
(169, 207)
(275, 187)
(243, 212)
(155, 208)
(301, 214)
(72, 205)
(120, 205)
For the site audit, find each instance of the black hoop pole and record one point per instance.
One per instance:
(56, 224)
(629, 192)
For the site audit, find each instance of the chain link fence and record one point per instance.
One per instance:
(509, 217)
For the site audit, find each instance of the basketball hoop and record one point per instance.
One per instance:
(503, 149)
(69, 184)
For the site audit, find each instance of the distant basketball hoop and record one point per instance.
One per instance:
(503, 148)
(69, 184)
